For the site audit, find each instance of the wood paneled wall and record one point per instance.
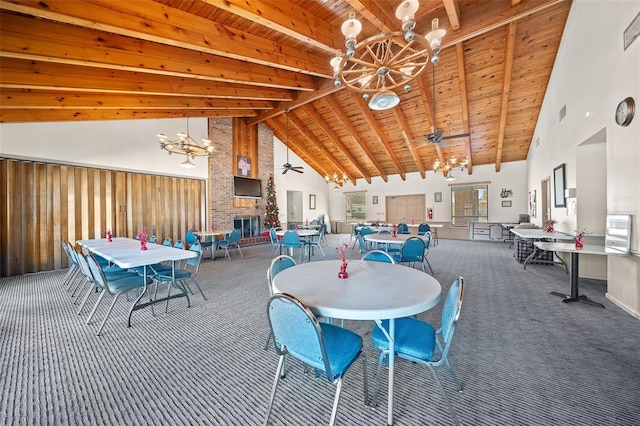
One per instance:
(43, 204)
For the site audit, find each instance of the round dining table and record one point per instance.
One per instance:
(373, 291)
(388, 239)
(302, 233)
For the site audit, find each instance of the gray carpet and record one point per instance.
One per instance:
(524, 358)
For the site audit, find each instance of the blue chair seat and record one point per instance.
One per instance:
(165, 277)
(128, 283)
(406, 329)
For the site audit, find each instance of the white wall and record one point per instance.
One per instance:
(593, 73)
(129, 145)
(512, 176)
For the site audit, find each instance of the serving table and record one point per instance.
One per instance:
(373, 291)
(573, 275)
(539, 235)
(387, 239)
(126, 253)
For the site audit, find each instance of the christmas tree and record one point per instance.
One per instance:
(271, 214)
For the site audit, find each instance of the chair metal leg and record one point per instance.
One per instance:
(336, 401)
(374, 400)
(444, 395)
(84, 300)
(427, 260)
(104, 321)
(95, 307)
(274, 388)
(266, 345)
(453, 375)
(366, 381)
(197, 285)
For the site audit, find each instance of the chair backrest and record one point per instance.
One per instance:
(292, 226)
(234, 237)
(296, 331)
(70, 252)
(179, 245)
(451, 313)
(278, 265)
(403, 228)
(378, 256)
(362, 243)
(97, 273)
(273, 236)
(291, 239)
(412, 248)
(365, 231)
(191, 238)
(84, 267)
(423, 227)
(194, 261)
(152, 239)
(427, 239)
(384, 231)
(167, 242)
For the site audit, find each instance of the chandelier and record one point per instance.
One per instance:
(449, 166)
(187, 146)
(336, 179)
(385, 61)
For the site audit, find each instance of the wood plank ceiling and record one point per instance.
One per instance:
(109, 60)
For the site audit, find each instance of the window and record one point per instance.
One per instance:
(356, 206)
(469, 204)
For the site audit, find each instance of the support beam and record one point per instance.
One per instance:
(506, 88)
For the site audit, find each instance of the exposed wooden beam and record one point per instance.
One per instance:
(355, 135)
(453, 12)
(21, 74)
(506, 88)
(317, 119)
(379, 13)
(31, 39)
(286, 18)
(42, 115)
(373, 123)
(406, 133)
(150, 21)
(464, 103)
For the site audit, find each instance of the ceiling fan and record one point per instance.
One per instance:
(287, 166)
(437, 136)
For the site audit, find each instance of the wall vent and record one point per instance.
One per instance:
(563, 112)
(632, 32)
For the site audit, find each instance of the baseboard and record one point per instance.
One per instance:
(624, 307)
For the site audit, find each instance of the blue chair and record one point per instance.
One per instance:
(167, 242)
(292, 227)
(311, 243)
(183, 274)
(115, 287)
(74, 270)
(232, 241)
(403, 228)
(412, 251)
(276, 266)
(275, 242)
(427, 244)
(190, 238)
(378, 256)
(325, 347)
(290, 242)
(423, 227)
(362, 243)
(419, 342)
(152, 239)
(178, 244)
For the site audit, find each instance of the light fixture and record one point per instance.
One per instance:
(384, 62)
(336, 179)
(187, 146)
(448, 167)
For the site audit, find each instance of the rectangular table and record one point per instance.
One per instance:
(212, 236)
(573, 276)
(539, 235)
(126, 253)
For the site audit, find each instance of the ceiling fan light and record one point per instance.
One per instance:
(383, 100)
(187, 164)
(449, 176)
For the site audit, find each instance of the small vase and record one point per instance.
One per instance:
(579, 244)
(343, 271)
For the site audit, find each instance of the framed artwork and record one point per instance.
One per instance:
(558, 186)
(375, 199)
(532, 203)
(244, 166)
(312, 201)
(437, 197)
(506, 203)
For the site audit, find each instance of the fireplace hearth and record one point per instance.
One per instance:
(249, 226)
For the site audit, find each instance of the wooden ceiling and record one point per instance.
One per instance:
(109, 60)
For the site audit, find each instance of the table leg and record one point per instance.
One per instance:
(573, 276)
(392, 358)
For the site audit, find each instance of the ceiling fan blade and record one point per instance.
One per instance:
(284, 172)
(438, 133)
(297, 169)
(461, 135)
(442, 143)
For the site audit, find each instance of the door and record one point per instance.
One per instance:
(294, 207)
(545, 199)
(406, 208)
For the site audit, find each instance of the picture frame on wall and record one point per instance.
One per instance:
(244, 166)
(312, 201)
(559, 187)
(374, 200)
(506, 203)
(437, 197)
(532, 203)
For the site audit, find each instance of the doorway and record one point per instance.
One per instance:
(406, 208)
(545, 200)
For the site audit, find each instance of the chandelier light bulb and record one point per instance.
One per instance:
(435, 36)
(351, 27)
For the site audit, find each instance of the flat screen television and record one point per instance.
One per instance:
(244, 187)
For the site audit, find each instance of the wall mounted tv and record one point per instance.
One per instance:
(244, 187)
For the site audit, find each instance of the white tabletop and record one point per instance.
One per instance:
(390, 239)
(309, 226)
(586, 249)
(541, 233)
(300, 232)
(126, 253)
(374, 290)
(416, 225)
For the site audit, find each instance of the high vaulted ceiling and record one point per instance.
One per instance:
(107, 60)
